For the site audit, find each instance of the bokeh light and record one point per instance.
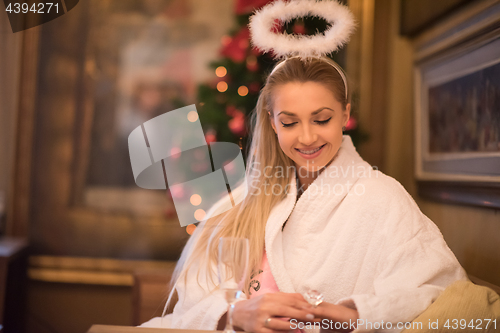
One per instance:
(192, 116)
(221, 71)
(199, 214)
(190, 229)
(243, 91)
(195, 199)
(222, 86)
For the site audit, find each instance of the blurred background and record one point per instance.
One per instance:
(81, 244)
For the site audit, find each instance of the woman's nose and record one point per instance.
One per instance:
(308, 136)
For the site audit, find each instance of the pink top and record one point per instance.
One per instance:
(263, 282)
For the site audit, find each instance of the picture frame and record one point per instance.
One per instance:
(82, 232)
(457, 109)
(417, 15)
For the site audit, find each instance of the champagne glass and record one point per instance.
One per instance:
(232, 270)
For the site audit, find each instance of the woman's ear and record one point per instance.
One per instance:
(346, 114)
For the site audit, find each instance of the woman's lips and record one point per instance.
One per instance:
(310, 153)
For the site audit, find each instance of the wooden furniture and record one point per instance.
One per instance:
(149, 294)
(13, 263)
(126, 329)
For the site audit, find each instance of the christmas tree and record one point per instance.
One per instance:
(226, 102)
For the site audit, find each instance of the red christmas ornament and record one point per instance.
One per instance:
(236, 49)
(247, 6)
(252, 64)
(299, 29)
(225, 40)
(255, 51)
(237, 124)
(278, 27)
(211, 136)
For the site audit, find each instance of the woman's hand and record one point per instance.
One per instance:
(345, 317)
(252, 315)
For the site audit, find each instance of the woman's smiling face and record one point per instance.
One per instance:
(308, 120)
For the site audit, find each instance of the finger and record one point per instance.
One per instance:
(289, 311)
(336, 312)
(327, 310)
(295, 296)
(275, 304)
(299, 315)
(323, 311)
(294, 310)
(295, 300)
(281, 324)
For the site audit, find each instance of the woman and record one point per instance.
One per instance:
(334, 224)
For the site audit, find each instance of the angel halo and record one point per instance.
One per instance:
(288, 46)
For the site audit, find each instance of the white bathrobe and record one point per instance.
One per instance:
(356, 236)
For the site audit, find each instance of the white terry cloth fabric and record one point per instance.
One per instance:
(356, 236)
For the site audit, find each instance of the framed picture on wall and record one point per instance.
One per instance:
(457, 112)
(90, 78)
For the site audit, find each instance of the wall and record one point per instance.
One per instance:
(60, 307)
(9, 84)
(472, 233)
(55, 307)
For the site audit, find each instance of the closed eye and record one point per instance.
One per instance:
(288, 125)
(323, 122)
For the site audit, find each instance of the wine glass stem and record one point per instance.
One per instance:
(229, 322)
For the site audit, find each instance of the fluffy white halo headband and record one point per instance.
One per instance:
(338, 16)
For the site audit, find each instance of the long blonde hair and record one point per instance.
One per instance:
(248, 218)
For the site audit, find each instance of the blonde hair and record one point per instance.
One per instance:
(248, 218)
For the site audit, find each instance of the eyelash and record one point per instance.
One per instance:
(323, 122)
(319, 122)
